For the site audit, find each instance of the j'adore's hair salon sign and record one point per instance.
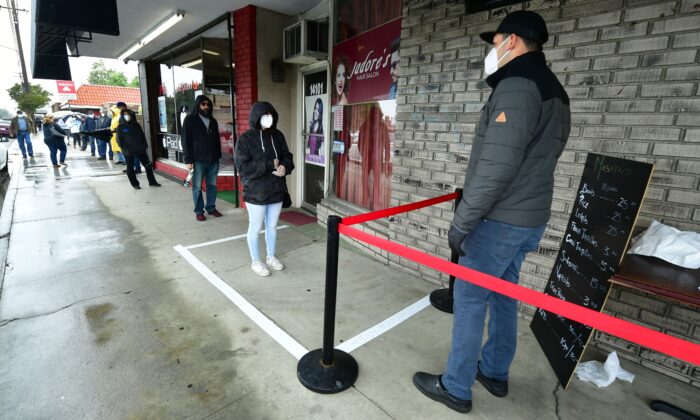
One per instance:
(365, 67)
(606, 207)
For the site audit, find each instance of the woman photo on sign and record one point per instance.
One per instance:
(263, 161)
(315, 146)
(341, 82)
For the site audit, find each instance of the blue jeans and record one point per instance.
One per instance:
(102, 148)
(137, 164)
(55, 147)
(204, 172)
(22, 137)
(120, 157)
(257, 214)
(497, 249)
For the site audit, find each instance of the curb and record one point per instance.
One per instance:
(8, 211)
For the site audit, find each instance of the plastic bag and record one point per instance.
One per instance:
(669, 244)
(603, 374)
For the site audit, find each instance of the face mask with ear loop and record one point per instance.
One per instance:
(491, 61)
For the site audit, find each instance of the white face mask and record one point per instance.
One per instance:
(127, 117)
(20, 115)
(491, 61)
(266, 121)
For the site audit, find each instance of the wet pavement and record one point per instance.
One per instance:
(101, 317)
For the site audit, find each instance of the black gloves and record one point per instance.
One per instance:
(455, 237)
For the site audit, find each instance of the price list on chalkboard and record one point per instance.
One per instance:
(605, 210)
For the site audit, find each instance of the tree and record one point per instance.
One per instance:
(135, 82)
(29, 102)
(101, 75)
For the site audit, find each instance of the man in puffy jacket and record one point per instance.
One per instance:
(508, 189)
(200, 141)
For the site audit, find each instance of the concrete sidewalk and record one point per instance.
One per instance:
(101, 317)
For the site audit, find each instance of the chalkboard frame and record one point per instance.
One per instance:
(596, 257)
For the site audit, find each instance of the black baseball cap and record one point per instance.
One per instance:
(524, 23)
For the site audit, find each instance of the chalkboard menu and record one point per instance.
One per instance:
(605, 210)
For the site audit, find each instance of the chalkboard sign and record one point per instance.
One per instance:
(605, 210)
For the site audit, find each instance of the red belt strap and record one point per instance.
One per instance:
(646, 337)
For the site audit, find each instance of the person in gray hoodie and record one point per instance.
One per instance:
(506, 202)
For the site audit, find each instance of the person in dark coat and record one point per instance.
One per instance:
(55, 139)
(132, 141)
(90, 124)
(263, 160)
(102, 143)
(508, 187)
(200, 141)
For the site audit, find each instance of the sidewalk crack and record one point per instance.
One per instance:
(556, 400)
(376, 404)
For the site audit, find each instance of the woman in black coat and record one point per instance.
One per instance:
(263, 161)
(132, 140)
(55, 139)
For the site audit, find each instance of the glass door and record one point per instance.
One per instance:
(315, 134)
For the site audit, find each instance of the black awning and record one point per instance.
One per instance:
(61, 24)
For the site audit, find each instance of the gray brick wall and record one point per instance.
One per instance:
(632, 70)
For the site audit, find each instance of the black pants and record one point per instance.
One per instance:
(143, 157)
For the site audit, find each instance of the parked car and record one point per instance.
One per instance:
(4, 130)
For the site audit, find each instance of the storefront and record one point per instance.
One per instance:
(364, 80)
(200, 65)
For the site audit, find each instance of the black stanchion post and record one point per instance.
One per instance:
(328, 370)
(443, 299)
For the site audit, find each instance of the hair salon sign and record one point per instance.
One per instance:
(365, 67)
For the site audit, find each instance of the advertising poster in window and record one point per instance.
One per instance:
(316, 107)
(162, 115)
(365, 67)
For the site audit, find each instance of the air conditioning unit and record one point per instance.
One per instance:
(306, 42)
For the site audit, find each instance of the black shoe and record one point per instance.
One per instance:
(101, 158)
(124, 171)
(154, 185)
(136, 187)
(495, 387)
(431, 386)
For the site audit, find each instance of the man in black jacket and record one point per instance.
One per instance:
(132, 140)
(505, 206)
(200, 140)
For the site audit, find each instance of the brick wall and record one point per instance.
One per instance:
(223, 183)
(631, 68)
(246, 73)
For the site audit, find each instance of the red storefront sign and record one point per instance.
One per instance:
(362, 66)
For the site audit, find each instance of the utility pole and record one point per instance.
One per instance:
(13, 11)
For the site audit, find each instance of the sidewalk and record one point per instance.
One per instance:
(109, 310)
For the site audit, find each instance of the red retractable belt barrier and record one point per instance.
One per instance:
(366, 217)
(646, 337)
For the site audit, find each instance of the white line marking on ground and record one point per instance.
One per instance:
(384, 326)
(230, 238)
(272, 329)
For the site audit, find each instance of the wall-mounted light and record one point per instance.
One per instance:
(191, 63)
(166, 24)
(210, 52)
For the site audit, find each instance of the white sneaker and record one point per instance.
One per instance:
(275, 263)
(260, 268)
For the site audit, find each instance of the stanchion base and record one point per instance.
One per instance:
(338, 377)
(442, 300)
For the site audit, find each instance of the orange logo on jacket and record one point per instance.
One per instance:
(501, 117)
